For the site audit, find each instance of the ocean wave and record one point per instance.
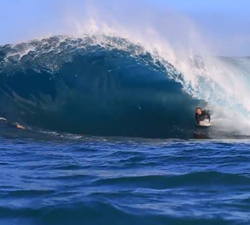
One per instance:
(210, 180)
(95, 212)
(103, 85)
(87, 86)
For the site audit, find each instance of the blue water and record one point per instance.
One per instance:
(111, 139)
(95, 180)
(74, 85)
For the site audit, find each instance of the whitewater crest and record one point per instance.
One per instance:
(51, 53)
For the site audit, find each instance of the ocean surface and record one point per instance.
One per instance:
(61, 179)
(111, 139)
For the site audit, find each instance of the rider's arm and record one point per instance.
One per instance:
(197, 119)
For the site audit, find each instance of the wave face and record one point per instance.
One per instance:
(78, 85)
(102, 85)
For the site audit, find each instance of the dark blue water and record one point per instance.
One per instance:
(66, 179)
(78, 86)
(111, 139)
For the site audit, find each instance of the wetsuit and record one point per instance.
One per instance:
(204, 115)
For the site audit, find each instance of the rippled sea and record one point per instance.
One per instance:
(85, 180)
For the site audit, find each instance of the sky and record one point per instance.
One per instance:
(224, 23)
